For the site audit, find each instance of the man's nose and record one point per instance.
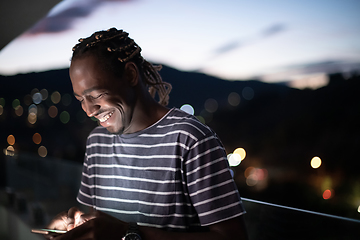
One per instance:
(90, 108)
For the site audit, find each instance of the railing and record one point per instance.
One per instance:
(38, 188)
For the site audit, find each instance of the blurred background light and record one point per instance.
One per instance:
(327, 194)
(15, 103)
(52, 111)
(55, 97)
(19, 111)
(11, 140)
(234, 99)
(2, 102)
(9, 151)
(211, 105)
(248, 93)
(32, 118)
(188, 108)
(241, 152)
(44, 94)
(64, 117)
(42, 151)
(1, 109)
(315, 162)
(234, 159)
(37, 98)
(36, 138)
(66, 99)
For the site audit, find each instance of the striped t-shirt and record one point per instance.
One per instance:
(173, 175)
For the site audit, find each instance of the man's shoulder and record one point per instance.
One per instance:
(182, 121)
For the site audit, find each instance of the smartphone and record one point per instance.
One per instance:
(47, 231)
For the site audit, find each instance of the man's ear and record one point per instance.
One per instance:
(131, 73)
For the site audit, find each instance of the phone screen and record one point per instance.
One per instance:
(47, 231)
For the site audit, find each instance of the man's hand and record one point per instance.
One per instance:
(96, 225)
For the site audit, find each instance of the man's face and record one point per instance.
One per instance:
(102, 95)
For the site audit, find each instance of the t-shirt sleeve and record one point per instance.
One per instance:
(85, 192)
(211, 187)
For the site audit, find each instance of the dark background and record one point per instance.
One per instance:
(280, 128)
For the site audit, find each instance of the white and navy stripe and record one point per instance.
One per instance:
(171, 175)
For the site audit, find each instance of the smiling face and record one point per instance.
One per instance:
(103, 95)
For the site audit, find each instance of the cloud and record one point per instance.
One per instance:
(63, 20)
(270, 31)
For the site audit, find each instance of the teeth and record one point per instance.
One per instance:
(106, 117)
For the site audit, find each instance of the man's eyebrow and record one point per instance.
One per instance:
(87, 91)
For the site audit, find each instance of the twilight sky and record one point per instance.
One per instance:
(274, 41)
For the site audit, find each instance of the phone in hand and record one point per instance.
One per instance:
(47, 231)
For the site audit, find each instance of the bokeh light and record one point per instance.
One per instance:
(33, 109)
(32, 118)
(315, 162)
(11, 140)
(234, 99)
(255, 175)
(327, 194)
(211, 105)
(1, 110)
(52, 111)
(42, 151)
(188, 108)
(64, 117)
(9, 151)
(15, 103)
(37, 98)
(36, 138)
(241, 152)
(28, 100)
(234, 159)
(55, 97)
(2, 102)
(248, 93)
(19, 111)
(358, 209)
(66, 99)
(44, 94)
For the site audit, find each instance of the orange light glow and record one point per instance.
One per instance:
(241, 152)
(11, 140)
(36, 138)
(327, 194)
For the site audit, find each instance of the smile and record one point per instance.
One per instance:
(106, 117)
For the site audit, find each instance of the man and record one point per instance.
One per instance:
(149, 172)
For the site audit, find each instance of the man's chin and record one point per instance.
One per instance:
(112, 130)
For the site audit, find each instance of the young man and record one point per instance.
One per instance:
(149, 172)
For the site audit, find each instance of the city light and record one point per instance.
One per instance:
(234, 99)
(234, 159)
(188, 109)
(52, 111)
(241, 152)
(327, 194)
(211, 105)
(11, 140)
(9, 151)
(42, 151)
(315, 162)
(55, 97)
(36, 138)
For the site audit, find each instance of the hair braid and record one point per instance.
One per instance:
(116, 48)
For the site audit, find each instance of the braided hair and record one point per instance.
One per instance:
(115, 49)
